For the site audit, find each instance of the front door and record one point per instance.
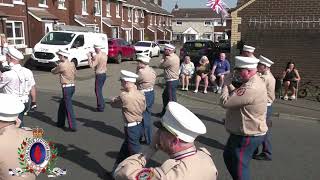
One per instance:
(48, 27)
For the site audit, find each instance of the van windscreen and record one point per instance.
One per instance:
(58, 38)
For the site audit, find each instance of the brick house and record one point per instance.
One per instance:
(282, 31)
(199, 23)
(25, 24)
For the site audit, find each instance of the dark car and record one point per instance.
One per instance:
(198, 48)
(120, 49)
(224, 45)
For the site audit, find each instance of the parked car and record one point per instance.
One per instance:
(79, 44)
(224, 45)
(162, 44)
(120, 49)
(198, 48)
(148, 48)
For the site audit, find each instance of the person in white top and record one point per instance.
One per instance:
(3, 51)
(18, 80)
(186, 72)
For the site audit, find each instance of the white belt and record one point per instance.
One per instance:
(260, 134)
(171, 80)
(269, 104)
(132, 124)
(67, 85)
(147, 90)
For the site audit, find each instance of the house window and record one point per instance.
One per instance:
(61, 4)
(43, 3)
(114, 32)
(97, 7)
(160, 22)
(155, 20)
(84, 6)
(118, 10)
(18, 2)
(150, 19)
(108, 8)
(129, 14)
(207, 23)
(142, 14)
(179, 23)
(136, 16)
(206, 36)
(15, 33)
(219, 23)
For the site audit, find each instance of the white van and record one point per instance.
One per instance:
(77, 43)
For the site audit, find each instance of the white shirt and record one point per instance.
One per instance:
(18, 81)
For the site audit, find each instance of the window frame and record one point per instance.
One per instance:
(43, 4)
(14, 38)
(84, 8)
(205, 23)
(98, 10)
(108, 8)
(62, 4)
(136, 16)
(129, 14)
(118, 10)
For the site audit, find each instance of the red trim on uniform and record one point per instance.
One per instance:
(241, 157)
(96, 83)
(170, 91)
(65, 103)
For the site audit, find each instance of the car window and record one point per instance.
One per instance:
(125, 43)
(195, 45)
(143, 44)
(78, 42)
(110, 42)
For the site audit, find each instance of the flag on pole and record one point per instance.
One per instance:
(218, 7)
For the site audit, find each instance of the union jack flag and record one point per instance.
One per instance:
(218, 7)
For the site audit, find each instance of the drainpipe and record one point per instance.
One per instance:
(28, 29)
(101, 12)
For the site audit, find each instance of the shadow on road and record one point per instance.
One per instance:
(206, 118)
(210, 142)
(81, 158)
(102, 127)
(42, 117)
(76, 103)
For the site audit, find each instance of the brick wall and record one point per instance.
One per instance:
(280, 30)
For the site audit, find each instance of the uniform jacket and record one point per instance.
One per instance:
(147, 78)
(270, 84)
(246, 108)
(11, 138)
(99, 64)
(18, 81)
(133, 104)
(171, 66)
(67, 72)
(192, 164)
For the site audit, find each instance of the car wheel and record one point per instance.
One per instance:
(119, 58)
(75, 62)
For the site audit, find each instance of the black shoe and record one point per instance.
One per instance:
(73, 130)
(262, 157)
(100, 110)
(159, 115)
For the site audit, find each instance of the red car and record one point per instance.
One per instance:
(120, 49)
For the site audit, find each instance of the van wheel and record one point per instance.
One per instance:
(75, 62)
(119, 58)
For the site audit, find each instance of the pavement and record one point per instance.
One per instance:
(90, 152)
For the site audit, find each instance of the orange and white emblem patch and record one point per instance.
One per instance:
(145, 174)
(240, 91)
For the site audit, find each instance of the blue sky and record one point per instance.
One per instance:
(169, 4)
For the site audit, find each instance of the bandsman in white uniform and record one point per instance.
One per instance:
(132, 102)
(177, 132)
(266, 75)
(248, 51)
(18, 81)
(98, 61)
(145, 82)
(245, 116)
(11, 136)
(171, 65)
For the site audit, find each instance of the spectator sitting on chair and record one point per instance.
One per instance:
(202, 72)
(186, 72)
(290, 79)
(221, 67)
